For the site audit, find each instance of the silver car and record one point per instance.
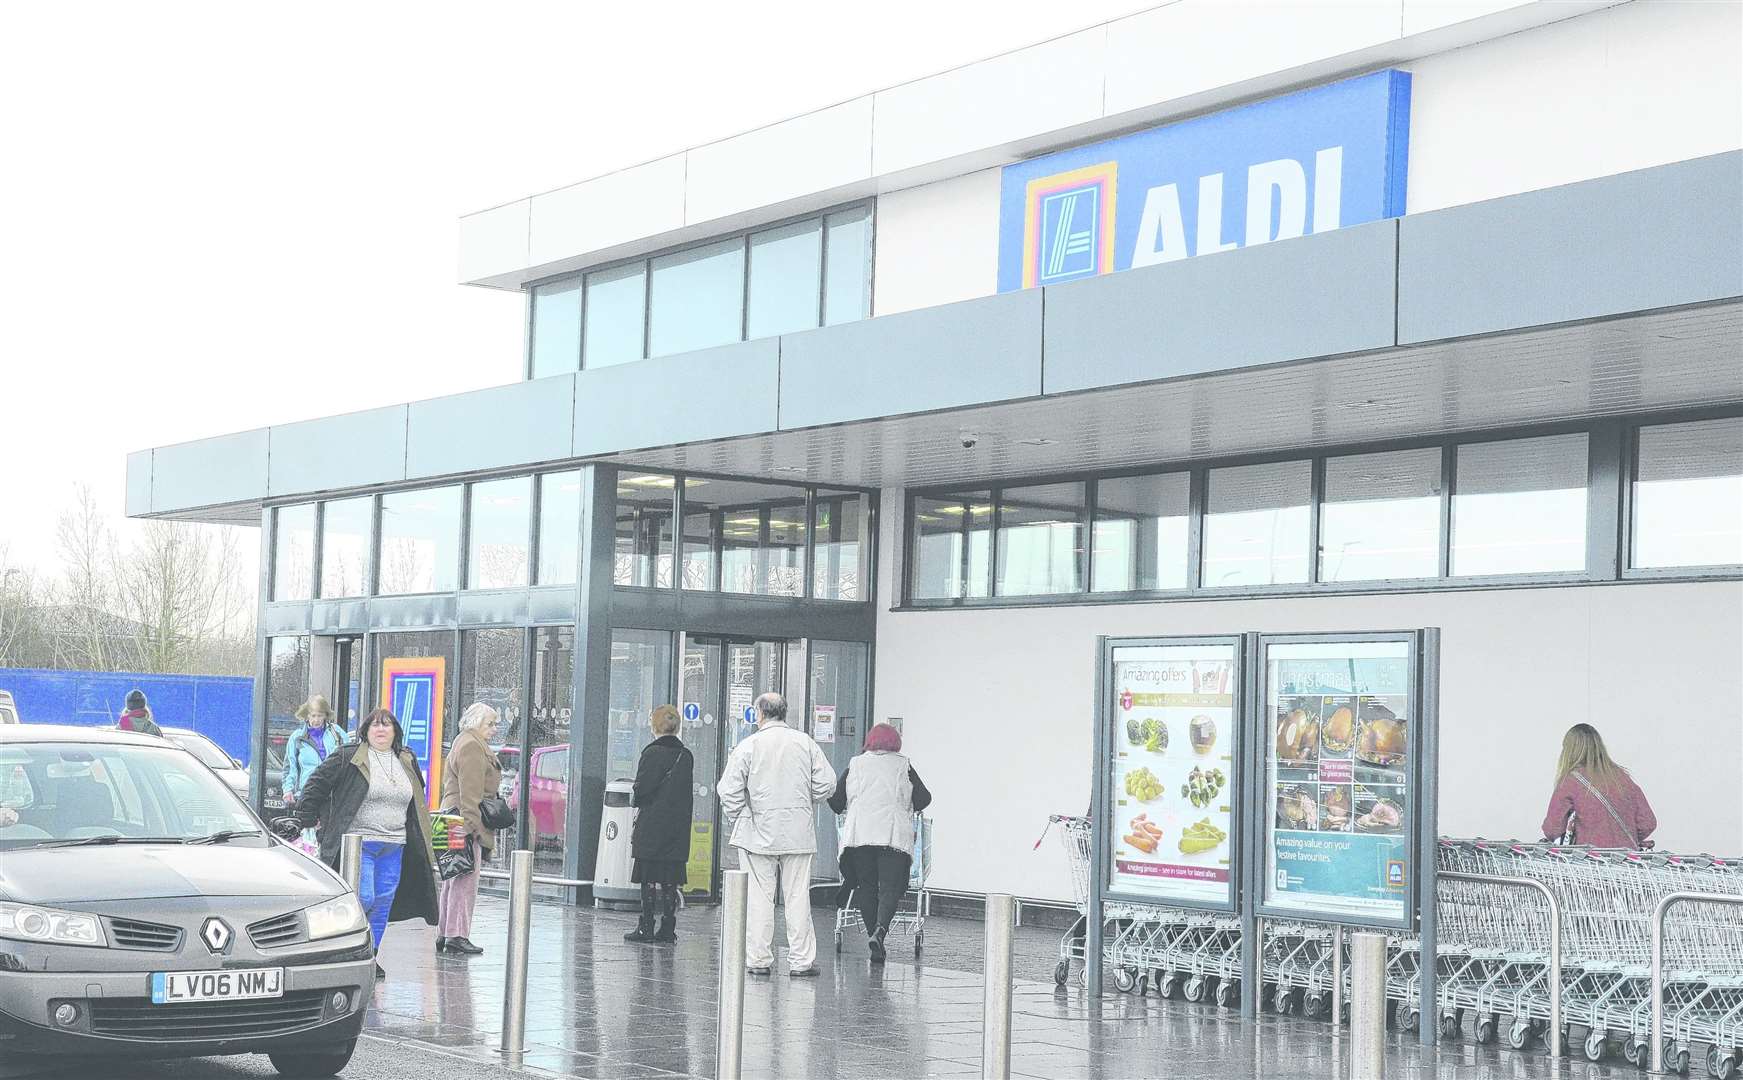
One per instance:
(230, 770)
(146, 913)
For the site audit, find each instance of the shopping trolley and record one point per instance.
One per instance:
(1074, 833)
(847, 916)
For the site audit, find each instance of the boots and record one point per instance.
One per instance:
(644, 930)
(876, 944)
(668, 931)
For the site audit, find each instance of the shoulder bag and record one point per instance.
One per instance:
(1605, 803)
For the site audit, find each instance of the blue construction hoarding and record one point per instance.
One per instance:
(217, 706)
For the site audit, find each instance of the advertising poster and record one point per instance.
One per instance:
(1173, 745)
(823, 723)
(412, 687)
(1338, 779)
(699, 868)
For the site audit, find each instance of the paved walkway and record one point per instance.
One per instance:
(604, 1009)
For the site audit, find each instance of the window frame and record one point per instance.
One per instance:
(743, 236)
(1612, 459)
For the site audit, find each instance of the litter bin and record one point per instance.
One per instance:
(611, 869)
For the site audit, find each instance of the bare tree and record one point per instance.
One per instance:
(84, 609)
(23, 621)
(181, 584)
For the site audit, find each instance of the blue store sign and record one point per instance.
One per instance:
(1309, 162)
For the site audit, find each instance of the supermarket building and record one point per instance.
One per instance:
(1348, 317)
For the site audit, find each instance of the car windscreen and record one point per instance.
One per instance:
(95, 793)
(204, 749)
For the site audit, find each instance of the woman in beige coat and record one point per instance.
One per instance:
(471, 775)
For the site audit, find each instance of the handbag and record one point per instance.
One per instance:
(457, 861)
(496, 814)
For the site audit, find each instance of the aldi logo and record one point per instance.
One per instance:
(1068, 225)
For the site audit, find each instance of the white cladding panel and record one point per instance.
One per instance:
(1052, 85)
(1634, 86)
(937, 243)
(494, 241)
(996, 706)
(818, 152)
(614, 209)
(1199, 45)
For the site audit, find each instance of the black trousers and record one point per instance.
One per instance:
(880, 880)
(660, 898)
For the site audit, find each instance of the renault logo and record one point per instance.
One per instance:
(216, 934)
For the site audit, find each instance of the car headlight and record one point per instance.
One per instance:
(23, 922)
(340, 915)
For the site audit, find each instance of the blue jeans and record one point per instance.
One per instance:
(380, 880)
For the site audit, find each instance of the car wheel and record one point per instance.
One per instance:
(302, 1064)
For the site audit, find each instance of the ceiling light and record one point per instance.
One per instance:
(1036, 442)
(799, 469)
(650, 481)
(1368, 403)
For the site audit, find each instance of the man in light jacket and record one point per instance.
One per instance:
(771, 786)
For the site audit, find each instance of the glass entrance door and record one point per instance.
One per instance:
(718, 684)
(347, 681)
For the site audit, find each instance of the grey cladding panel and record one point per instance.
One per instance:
(970, 353)
(489, 429)
(1654, 238)
(138, 483)
(229, 468)
(352, 450)
(692, 397)
(1307, 297)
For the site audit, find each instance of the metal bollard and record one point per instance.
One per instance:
(351, 860)
(1368, 1007)
(1337, 978)
(995, 1040)
(729, 1024)
(520, 918)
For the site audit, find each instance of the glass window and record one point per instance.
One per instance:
(643, 553)
(556, 327)
(1519, 507)
(1256, 524)
(1381, 516)
(490, 671)
(1040, 540)
(415, 680)
(287, 686)
(559, 527)
(842, 525)
(785, 267)
(1688, 494)
(499, 533)
(345, 528)
(701, 535)
(847, 278)
(1140, 532)
(420, 541)
(697, 298)
(641, 678)
(613, 329)
(540, 788)
(756, 531)
(293, 557)
(952, 540)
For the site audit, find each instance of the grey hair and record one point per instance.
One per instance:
(772, 707)
(478, 714)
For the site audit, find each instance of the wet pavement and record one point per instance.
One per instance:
(600, 1008)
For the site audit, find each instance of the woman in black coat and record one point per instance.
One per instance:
(660, 841)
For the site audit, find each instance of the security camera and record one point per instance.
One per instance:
(970, 439)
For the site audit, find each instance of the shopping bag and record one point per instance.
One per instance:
(308, 844)
(456, 861)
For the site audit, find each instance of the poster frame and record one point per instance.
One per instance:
(1103, 796)
(1422, 761)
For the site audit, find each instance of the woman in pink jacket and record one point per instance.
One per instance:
(1608, 808)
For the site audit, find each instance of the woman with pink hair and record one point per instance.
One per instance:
(880, 793)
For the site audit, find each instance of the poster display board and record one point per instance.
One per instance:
(1173, 735)
(1339, 778)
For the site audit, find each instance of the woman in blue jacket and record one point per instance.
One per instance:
(316, 736)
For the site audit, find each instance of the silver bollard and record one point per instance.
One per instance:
(995, 1040)
(729, 1024)
(520, 918)
(1368, 1007)
(1337, 978)
(351, 860)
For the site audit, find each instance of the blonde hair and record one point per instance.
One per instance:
(315, 704)
(478, 714)
(665, 720)
(1582, 748)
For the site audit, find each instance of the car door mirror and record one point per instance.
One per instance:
(236, 762)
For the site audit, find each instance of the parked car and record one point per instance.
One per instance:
(212, 756)
(8, 708)
(145, 912)
(548, 791)
(510, 758)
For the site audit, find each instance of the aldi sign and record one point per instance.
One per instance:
(1309, 162)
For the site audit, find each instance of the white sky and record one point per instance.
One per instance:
(216, 216)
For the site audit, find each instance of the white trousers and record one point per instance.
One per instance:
(795, 883)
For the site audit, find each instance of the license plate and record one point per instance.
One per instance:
(175, 987)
